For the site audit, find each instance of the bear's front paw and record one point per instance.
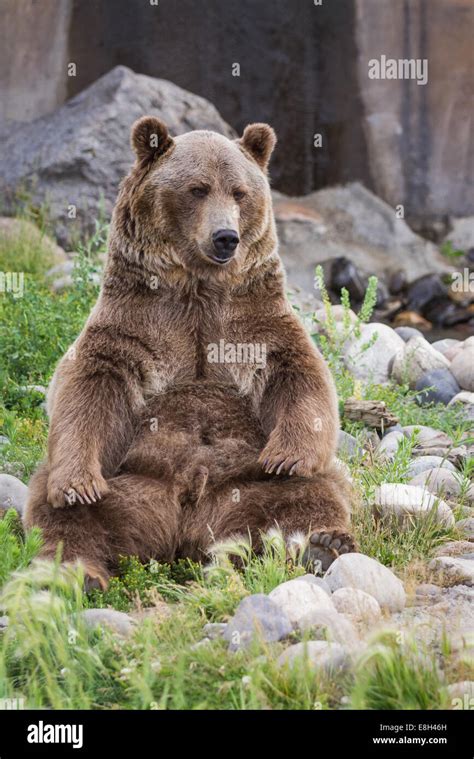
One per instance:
(85, 487)
(276, 459)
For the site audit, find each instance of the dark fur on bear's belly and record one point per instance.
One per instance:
(197, 426)
(206, 408)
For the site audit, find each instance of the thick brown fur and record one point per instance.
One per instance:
(154, 449)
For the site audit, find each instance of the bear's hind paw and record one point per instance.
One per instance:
(325, 546)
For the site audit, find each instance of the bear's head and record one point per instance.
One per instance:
(201, 200)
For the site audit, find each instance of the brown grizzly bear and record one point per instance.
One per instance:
(193, 406)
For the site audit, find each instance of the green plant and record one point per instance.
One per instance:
(26, 250)
(384, 540)
(214, 589)
(139, 584)
(24, 208)
(396, 674)
(334, 334)
(16, 548)
(398, 548)
(26, 432)
(37, 329)
(448, 250)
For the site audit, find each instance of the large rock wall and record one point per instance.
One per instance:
(33, 57)
(303, 68)
(420, 137)
(296, 71)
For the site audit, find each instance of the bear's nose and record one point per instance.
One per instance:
(225, 242)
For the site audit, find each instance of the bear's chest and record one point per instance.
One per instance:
(203, 344)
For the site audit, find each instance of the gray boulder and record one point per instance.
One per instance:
(463, 367)
(357, 605)
(463, 397)
(407, 504)
(330, 625)
(369, 357)
(416, 358)
(431, 442)
(437, 386)
(466, 527)
(297, 599)
(427, 435)
(446, 344)
(355, 570)
(349, 221)
(120, 623)
(313, 580)
(422, 463)
(440, 481)
(316, 655)
(455, 548)
(258, 617)
(13, 493)
(348, 446)
(388, 446)
(406, 333)
(453, 569)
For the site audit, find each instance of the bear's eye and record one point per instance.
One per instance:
(199, 192)
(239, 194)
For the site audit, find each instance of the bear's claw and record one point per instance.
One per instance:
(325, 546)
(85, 488)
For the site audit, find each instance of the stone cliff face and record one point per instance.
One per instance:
(33, 57)
(420, 138)
(303, 68)
(297, 71)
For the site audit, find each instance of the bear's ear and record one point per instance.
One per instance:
(259, 140)
(150, 139)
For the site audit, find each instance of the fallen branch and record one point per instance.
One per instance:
(372, 413)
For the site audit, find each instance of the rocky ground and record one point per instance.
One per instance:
(389, 627)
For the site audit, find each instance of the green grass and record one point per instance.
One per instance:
(38, 328)
(35, 332)
(398, 548)
(16, 549)
(51, 659)
(47, 655)
(394, 672)
(385, 541)
(401, 401)
(215, 589)
(28, 250)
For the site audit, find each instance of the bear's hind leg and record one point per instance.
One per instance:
(314, 512)
(139, 516)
